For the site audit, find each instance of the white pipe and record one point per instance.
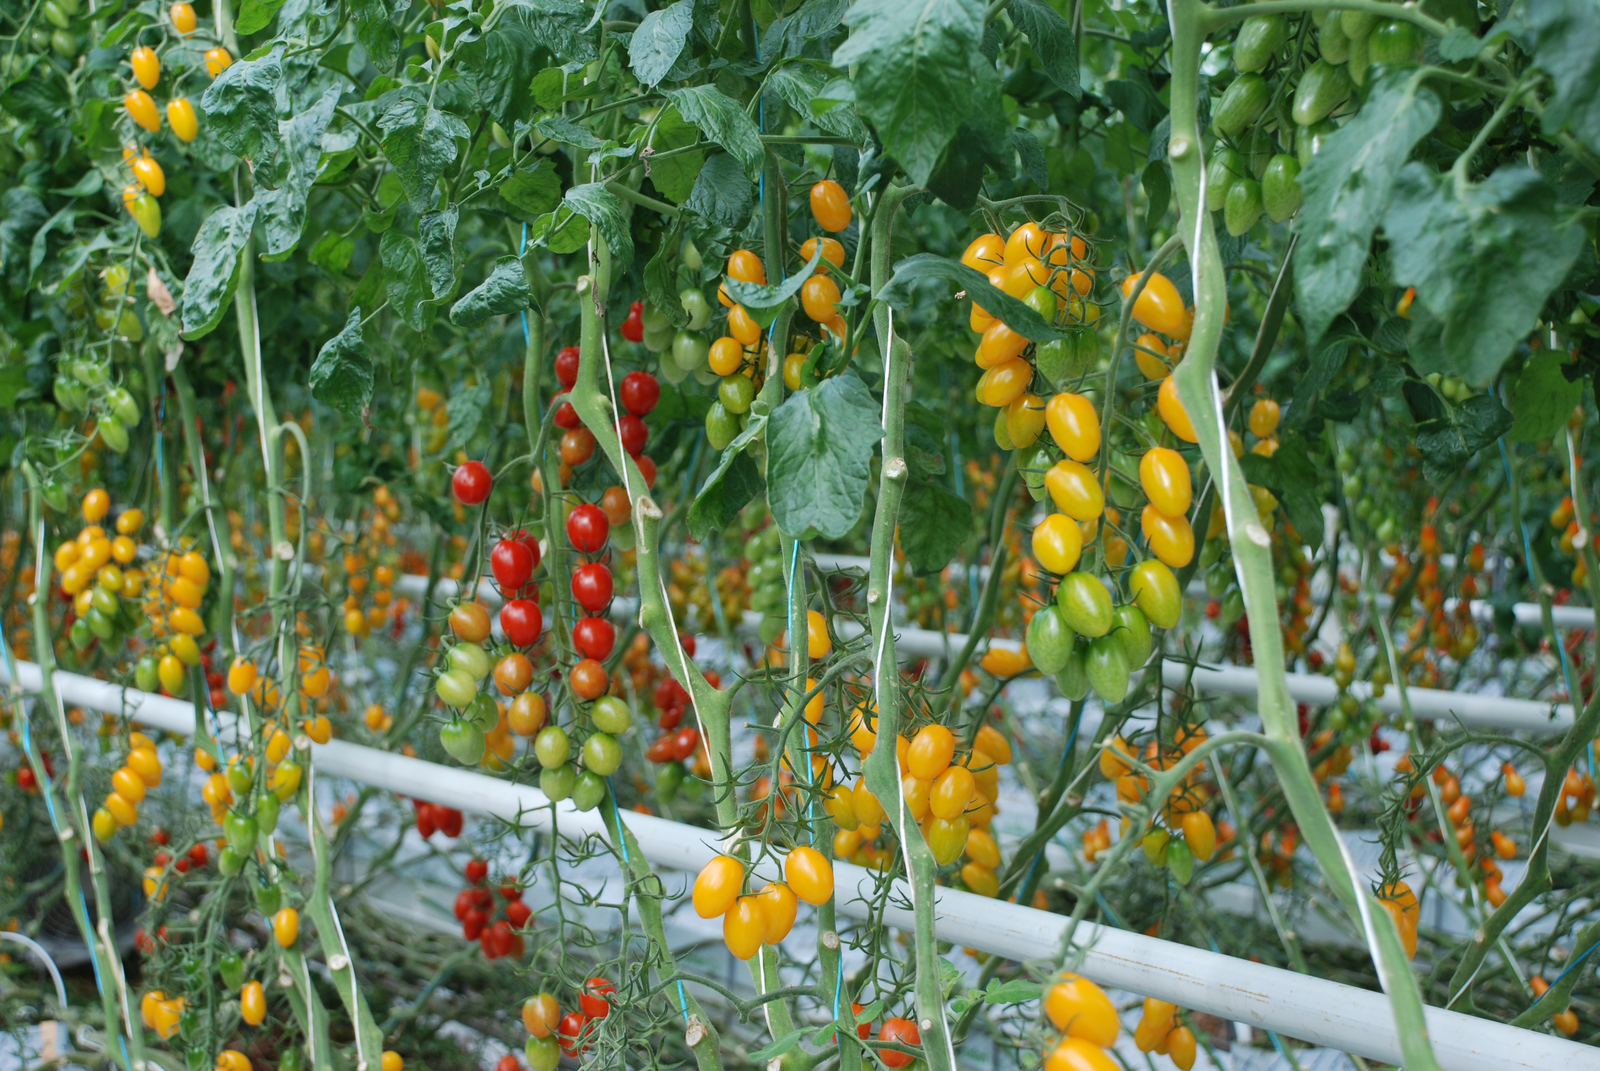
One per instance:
(1312, 1009)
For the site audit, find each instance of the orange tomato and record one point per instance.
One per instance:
(1159, 307)
(718, 886)
(930, 752)
(985, 253)
(1005, 383)
(1028, 240)
(746, 267)
(830, 205)
(818, 296)
(808, 872)
(1079, 1008)
(999, 345)
(832, 252)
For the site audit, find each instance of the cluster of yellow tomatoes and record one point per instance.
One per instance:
(1088, 1022)
(149, 182)
(362, 620)
(765, 917)
(97, 570)
(951, 798)
(140, 772)
(161, 1013)
(1187, 833)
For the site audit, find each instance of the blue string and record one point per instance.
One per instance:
(622, 838)
(1575, 963)
(838, 987)
(521, 249)
(682, 1003)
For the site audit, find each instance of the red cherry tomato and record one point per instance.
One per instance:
(426, 825)
(591, 586)
(633, 434)
(633, 328)
(518, 914)
(522, 621)
(593, 998)
(198, 855)
(472, 926)
(26, 780)
(670, 718)
(449, 820)
(670, 695)
(570, 1030)
(594, 637)
(863, 1030)
(472, 483)
(567, 417)
(463, 903)
(660, 749)
(512, 563)
(567, 366)
(647, 469)
(508, 1062)
(684, 742)
(476, 870)
(686, 640)
(906, 1033)
(640, 392)
(588, 528)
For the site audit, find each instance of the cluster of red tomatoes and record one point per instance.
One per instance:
(475, 908)
(638, 394)
(550, 1033)
(677, 742)
(437, 818)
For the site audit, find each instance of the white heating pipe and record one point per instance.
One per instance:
(1312, 1009)
(1427, 704)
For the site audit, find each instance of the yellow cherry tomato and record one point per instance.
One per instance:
(170, 672)
(832, 252)
(1075, 491)
(252, 1003)
(930, 752)
(727, 356)
(129, 521)
(218, 60)
(1028, 240)
(985, 253)
(1151, 366)
(808, 872)
(96, 504)
(743, 927)
(1173, 413)
(146, 66)
(742, 327)
(150, 175)
(1080, 1009)
(182, 18)
(1074, 425)
(999, 345)
(1159, 307)
(818, 296)
(1025, 420)
(1005, 383)
(181, 116)
(952, 791)
(142, 110)
(830, 205)
(1164, 475)
(980, 879)
(718, 886)
(746, 267)
(818, 645)
(183, 619)
(1079, 1054)
(792, 364)
(983, 849)
(286, 927)
(778, 909)
(1024, 277)
(1263, 418)
(122, 809)
(1058, 543)
(1171, 539)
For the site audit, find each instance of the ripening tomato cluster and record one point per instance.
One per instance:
(677, 742)
(638, 394)
(100, 578)
(477, 906)
(479, 728)
(1186, 832)
(437, 818)
(140, 772)
(361, 620)
(145, 70)
(245, 801)
(552, 1034)
(1161, 1031)
(1088, 1023)
(764, 917)
(161, 1013)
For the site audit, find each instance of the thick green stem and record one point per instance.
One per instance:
(1195, 378)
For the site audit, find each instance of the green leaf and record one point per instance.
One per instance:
(915, 66)
(661, 278)
(254, 15)
(1296, 479)
(1015, 991)
(778, 1046)
(659, 41)
(13, 381)
(1050, 34)
(759, 296)
(505, 290)
(734, 484)
(924, 266)
(1560, 37)
(420, 141)
(436, 233)
(722, 194)
(283, 210)
(1459, 44)
(562, 26)
(675, 177)
(1347, 186)
(215, 269)
(404, 280)
(342, 375)
(1543, 399)
(558, 128)
(723, 120)
(1031, 153)
(801, 86)
(604, 209)
(819, 454)
(333, 252)
(510, 61)
(466, 411)
(1483, 260)
(241, 107)
(981, 140)
(535, 192)
(1448, 443)
(378, 24)
(786, 37)
(934, 524)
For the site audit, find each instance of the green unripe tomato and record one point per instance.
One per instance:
(101, 624)
(267, 812)
(1043, 301)
(1085, 604)
(736, 392)
(1242, 207)
(1259, 37)
(145, 676)
(1107, 669)
(463, 740)
(1280, 188)
(552, 746)
(483, 711)
(602, 754)
(456, 688)
(113, 434)
(229, 864)
(1049, 640)
(611, 715)
(1225, 166)
(1180, 861)
(588, 790)
(556, 782)
(722, 427)
(1131, 628)
(470, 658)
(689, 256)
(690, 351)
(1323, 87)
(544, 1054)
(695, 304)
(241, 832)
(123, 407)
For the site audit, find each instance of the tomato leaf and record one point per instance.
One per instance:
(254, 15)
(1542, 399)
(819, 457)
(661, 279)
(1483, 260)
(505, 290)
(934, 524)
(241, 107)
(378, 25)
(1560, 36)
(534, 192)
(674, 177)
(1015, 991)
(981, 140)
(916, 63)
(723, 120)
(722, 194)
(801, 86)
(778, 1046)
(1296, 479)
(466, 411)
(604, 209)
(215, 270)
(660, 40)
(1450, 441)
(283, 210)
(342, 375)
(924, 266)
(1050, 36)
(1347, 186)
(562, 26)
(436, 233)
(735, 482)
(420, 142)
(404, 280)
